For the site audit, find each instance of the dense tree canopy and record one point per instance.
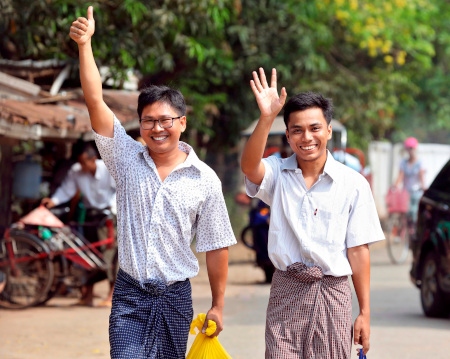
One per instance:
(384, 62)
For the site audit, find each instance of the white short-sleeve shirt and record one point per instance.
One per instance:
(315, 226)
(98, 190)
(157, 221)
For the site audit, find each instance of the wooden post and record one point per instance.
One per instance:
(6, 169)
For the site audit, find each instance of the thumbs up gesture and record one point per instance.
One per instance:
(83, 28)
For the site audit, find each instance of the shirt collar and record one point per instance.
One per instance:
(331, 165)
(191, 159)
(290, 163)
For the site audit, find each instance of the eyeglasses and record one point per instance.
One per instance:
(165, 122)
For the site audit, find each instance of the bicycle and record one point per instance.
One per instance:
(37, 260)
(400, 225)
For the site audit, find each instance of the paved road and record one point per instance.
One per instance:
(399, 328)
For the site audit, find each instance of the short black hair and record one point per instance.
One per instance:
(154, 93)
(84, 147)
(306, 100)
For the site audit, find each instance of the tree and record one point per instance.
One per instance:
(427, 116)
(382, 61)
(167, 41)
(362, 54)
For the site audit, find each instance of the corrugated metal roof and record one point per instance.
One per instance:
(30, 64)
(62, 119)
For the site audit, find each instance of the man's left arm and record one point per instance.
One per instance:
(359, 258)
(217, 266)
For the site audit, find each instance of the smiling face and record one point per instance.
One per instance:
(308, 134)
(162, 140)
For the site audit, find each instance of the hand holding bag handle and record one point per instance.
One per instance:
(361, 354)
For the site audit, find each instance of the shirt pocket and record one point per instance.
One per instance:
(330, 228)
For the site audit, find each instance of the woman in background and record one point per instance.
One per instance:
(411, 176)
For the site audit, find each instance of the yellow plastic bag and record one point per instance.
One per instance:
(205, 347)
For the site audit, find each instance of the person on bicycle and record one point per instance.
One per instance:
(411, 176)
(165, 196)
(90, 177)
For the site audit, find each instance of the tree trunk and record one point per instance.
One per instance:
(5, 185)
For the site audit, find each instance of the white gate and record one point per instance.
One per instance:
(384, 159)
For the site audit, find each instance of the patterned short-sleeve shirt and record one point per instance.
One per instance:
(158, 220)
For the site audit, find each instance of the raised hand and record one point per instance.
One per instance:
(269, 103)
(82, 29)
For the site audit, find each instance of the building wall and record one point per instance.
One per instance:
(385, 160)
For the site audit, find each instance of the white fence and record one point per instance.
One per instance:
(384, 159)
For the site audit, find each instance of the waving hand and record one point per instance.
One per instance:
(269, 103)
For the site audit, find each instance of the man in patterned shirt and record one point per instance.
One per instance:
(322, 218)
(165, 197)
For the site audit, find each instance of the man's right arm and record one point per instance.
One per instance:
(66, 191)
(270, 104)
(100, 114)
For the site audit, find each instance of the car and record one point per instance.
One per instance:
(430, 270)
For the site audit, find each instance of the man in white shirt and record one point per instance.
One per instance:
(322, 218)
(166, 196)
(90, 178)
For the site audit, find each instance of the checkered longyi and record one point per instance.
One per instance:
(309, 315)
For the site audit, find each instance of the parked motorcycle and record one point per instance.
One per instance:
(255, 236)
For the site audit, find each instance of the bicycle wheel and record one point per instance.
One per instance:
(397, 238)
(247, 237)
(30, 274)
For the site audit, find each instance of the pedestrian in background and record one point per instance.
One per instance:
(90, 179)
(411, 176)
(322, 218)
(166, 196)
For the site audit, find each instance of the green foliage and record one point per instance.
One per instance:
(384, 62)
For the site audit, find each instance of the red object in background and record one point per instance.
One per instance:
(242, 198)
(397, 200)
(271, 150)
